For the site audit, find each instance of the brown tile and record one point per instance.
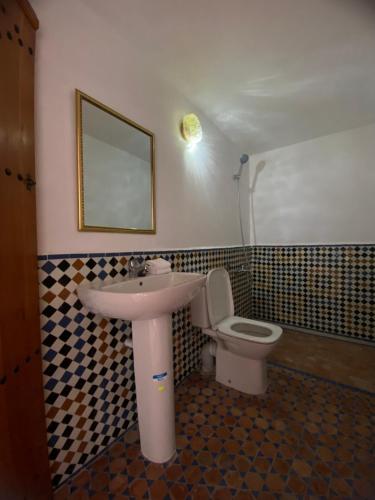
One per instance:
(246, 422)
(197, 443)
(138, 488)
(244, 495)
(296, 485)
(262, 464)
(256, 435)
(233, 479)
(178, 491)
(275, 482)
(206, 430)
(302, 468)
(281, 466)
(100, 481)
(131, 436)
(136, 468)
(224, 461)
(222, 494)
(268, 450)
(154, 471)
(173, 472)
(214, 444)
(319, 487)
(254, 481)
(364, 488)
(117, 465)
(266, 496)
(181, 442)
(242, 464)
(213, 476)
(62, 493)
(323, 469)
(204, 458)
(325, 453)
(158, 489)
(118, 484)
(82, 479)
(192, 474)
(200, 493)
(223, 433)
(80, 494)
(232, 446)
(186, 457)
(250, 448)
(100, 496)
(340, 486)
(100, 464)
(117, 450)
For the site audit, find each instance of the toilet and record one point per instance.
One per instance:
(241, 345)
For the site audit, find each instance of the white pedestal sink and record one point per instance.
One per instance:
(148, 302)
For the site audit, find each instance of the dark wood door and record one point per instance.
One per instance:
(24, 468)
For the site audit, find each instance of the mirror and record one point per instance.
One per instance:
(116, 171)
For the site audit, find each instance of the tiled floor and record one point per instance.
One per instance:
(339, 360)
(306, 438)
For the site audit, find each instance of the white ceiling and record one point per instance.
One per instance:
(268, 73)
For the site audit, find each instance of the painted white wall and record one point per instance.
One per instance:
(318, 191)
(195, 195)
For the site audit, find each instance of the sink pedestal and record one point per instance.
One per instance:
(153, 364)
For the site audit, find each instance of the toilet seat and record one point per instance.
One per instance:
(221, 313)
(249, 330)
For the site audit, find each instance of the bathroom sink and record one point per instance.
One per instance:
(148, 302)
(142, 298)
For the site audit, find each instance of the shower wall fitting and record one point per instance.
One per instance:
(88, 370)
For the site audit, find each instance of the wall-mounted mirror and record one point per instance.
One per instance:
(116, 171)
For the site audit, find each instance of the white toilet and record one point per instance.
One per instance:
(242, 345)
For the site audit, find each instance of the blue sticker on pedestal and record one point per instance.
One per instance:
(159, 377)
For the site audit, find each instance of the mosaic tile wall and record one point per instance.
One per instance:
(88, 370)
(330, 289)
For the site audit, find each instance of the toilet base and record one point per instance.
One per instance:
(243, 374)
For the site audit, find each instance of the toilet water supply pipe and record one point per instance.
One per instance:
(207, 355)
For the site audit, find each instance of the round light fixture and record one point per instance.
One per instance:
(191, 128)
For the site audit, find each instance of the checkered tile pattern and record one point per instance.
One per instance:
(305, 438)
(330, 289)
(88, 370)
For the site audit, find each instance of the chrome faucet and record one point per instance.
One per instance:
(137, 267)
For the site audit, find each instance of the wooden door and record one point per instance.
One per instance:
(24, 468)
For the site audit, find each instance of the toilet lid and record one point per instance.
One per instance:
(219, 295)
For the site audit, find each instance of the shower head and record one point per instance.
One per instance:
(244, 158)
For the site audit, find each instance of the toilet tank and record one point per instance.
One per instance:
(199, 310)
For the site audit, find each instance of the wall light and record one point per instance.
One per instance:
(191, 128)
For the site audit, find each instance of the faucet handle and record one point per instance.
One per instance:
(137, 267)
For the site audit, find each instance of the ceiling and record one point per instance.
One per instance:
(268, 73)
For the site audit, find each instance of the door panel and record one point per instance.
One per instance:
(24, 467)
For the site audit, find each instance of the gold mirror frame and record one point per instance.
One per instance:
(80, 96)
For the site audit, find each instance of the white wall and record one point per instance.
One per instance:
(318, 191)
(195, 194)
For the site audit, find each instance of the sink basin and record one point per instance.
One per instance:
(142, 298)
(148, 302)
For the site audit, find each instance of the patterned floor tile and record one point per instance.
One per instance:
(274, 455)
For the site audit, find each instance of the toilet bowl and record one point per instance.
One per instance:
(242, 344)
